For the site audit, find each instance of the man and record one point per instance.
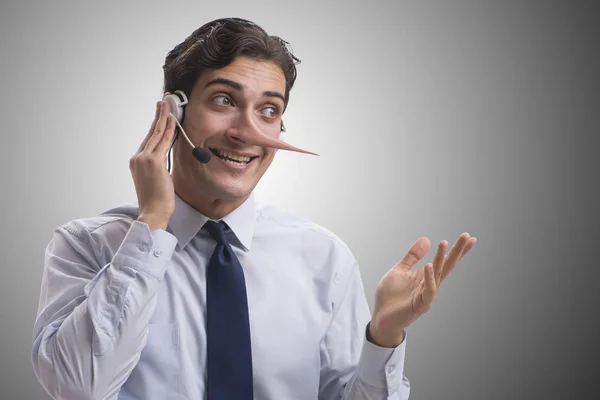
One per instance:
(198, 291)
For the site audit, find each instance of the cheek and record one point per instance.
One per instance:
(272, 130)
(268, 157)
(203, 125)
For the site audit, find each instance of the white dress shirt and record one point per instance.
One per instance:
(122, 310)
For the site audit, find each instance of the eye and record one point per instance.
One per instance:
(223, 100)
(270, 112)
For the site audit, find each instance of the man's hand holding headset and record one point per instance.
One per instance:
(153, 183)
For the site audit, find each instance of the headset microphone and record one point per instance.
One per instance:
(176, 102)
(201, 154)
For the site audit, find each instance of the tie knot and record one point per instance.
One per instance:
(217, 231)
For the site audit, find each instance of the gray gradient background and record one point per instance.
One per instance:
(454, 116)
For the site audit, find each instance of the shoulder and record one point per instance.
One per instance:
(305, 232)
(105, 230)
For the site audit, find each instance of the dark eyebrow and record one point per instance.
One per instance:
(238, 86)
(269, 93)
(227, 82)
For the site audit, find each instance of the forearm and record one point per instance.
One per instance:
(379, 374)
(68, 362)
(88, 348)
(353, 367)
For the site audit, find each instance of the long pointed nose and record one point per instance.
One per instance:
(251, 134)
(257, 138)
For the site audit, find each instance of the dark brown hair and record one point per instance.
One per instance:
(216, 44)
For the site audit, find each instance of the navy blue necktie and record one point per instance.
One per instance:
(229, 356)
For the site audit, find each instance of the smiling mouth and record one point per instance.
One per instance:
(232, 158)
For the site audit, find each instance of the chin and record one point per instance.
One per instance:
(233, 191)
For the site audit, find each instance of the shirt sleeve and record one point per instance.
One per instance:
(92, 319)
(352, 367)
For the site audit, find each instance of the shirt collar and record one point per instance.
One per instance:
(186, 222)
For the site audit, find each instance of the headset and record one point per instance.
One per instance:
(177, 102)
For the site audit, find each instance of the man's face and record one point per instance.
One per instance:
(225, 106)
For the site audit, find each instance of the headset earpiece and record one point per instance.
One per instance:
(176, 101)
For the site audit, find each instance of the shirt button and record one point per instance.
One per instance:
(143, 247)
(157, 253)
(391, 369)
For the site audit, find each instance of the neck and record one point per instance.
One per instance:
(213, 208)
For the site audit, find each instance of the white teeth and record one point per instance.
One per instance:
(243, 159)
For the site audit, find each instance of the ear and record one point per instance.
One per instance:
(282, 133)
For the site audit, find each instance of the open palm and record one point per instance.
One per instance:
(404, 295)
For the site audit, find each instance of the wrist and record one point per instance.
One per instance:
(154, 222)
(378, 339)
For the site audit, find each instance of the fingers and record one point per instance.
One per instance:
(438, 261)
(415, 253)
(157, 130)
(454, 255)
(165, 142)
(470, 243)
(429, 289)
(152, 127)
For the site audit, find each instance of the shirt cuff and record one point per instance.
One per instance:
(382, 367)
(146, 251)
